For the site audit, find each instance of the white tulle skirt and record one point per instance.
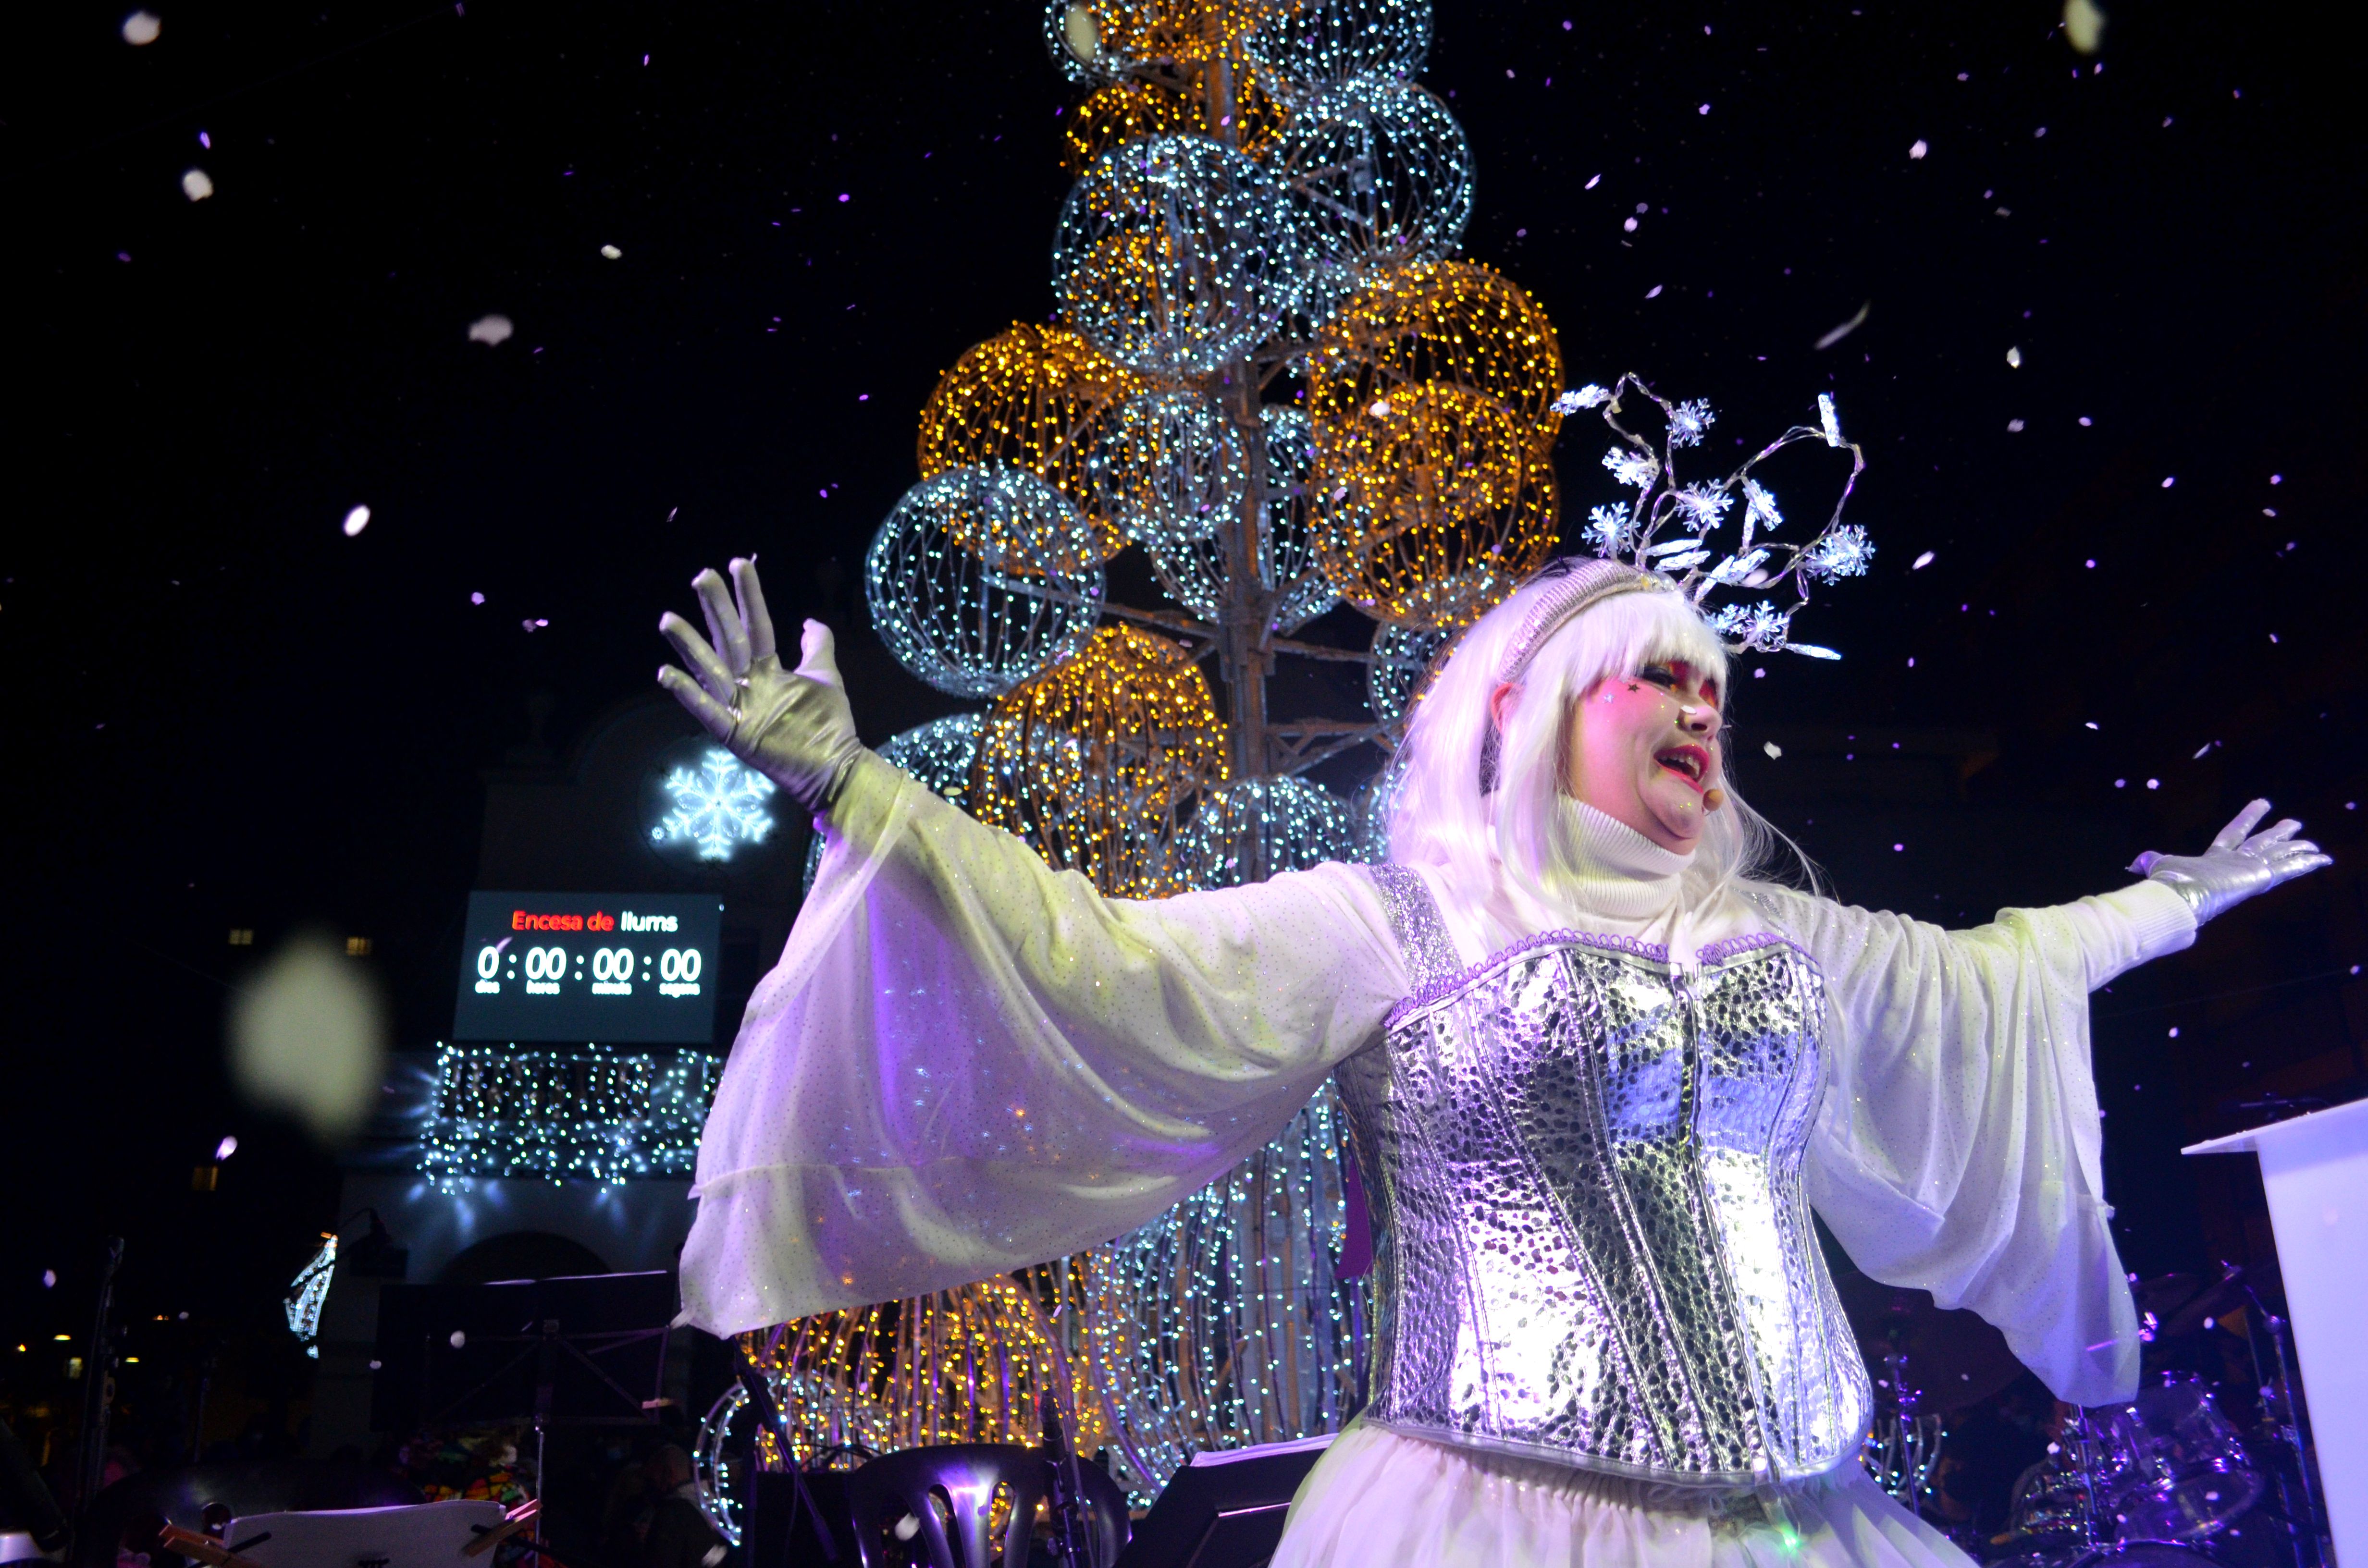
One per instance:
(1380, 1498)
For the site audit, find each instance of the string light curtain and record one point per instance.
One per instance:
(586, 1113)
(1217, 1326)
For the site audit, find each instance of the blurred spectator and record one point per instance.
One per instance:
(680, 1535)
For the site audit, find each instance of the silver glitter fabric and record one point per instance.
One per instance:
(1591, 1240)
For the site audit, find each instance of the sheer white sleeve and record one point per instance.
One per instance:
(966, 1062)
(1957, 1146)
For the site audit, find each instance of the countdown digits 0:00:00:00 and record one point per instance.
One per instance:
(613, 970)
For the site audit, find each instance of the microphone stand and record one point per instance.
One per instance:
(769, 1413)
(1068, 1489)
(98, 1389)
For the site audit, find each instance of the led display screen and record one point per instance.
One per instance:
(611, 969)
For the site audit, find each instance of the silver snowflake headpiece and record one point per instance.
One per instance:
(1667, 530)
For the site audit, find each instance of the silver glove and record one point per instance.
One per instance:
(793, 726)
(2236, 866)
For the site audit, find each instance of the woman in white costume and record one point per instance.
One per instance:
(1597, 1072)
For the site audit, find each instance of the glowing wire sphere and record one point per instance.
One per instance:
(968, 615)
(1248, 829)
(937, 754)
(1034, 398)
(1310, 43)
(1403, 666)
(1194, 572)
(1379, 171)
(1088, 761)
(1435, 506)
(1170, 468)
(1176, 254)
(1117, 112)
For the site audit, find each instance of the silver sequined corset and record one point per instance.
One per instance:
(1592, 1241)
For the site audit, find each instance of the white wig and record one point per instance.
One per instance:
(1443, 811)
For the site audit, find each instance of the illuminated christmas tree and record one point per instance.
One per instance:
(1272, 374)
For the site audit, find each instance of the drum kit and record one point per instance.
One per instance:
(2148, 1482)
(2166, 1481)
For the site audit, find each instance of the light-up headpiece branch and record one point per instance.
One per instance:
(1668, 529)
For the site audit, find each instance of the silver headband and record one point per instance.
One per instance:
(1573, 583)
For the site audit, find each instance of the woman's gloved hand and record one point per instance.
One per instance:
(793, 726)
(2236, 866)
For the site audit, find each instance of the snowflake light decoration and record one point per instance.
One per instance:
(719, 806)
(1689, 514)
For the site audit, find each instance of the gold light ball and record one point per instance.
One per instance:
(1409, 550)
(1089, 760)
(1119, 112)
(1036, 398)
(1452, 321)
(1432, 397)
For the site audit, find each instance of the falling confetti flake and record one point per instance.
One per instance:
(141, 28)
(1772, 748)
(1920, 149)
(1922, 561)
(2084, 26)
(196, 185)
(1852, 325)
(612, 253)
(357, 520)
(2014, 359)
(489, 330)
(309, 1036)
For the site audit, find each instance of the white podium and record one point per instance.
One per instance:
(2315, 1169)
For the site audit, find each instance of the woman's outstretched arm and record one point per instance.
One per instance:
(966, 1061)
(1958, 1144)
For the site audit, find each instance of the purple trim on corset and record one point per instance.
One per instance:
(1448, 984)
(1717, 952)
(1727, 948)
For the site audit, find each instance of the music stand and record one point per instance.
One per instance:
(581, 1350)
(1224, 1509)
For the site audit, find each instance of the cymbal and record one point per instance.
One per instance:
(2221, 1297)
(1949, 1358)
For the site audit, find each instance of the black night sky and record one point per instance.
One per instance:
(220, 712)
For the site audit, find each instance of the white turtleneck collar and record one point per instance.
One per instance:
(1613, 850)
(1625, 884)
